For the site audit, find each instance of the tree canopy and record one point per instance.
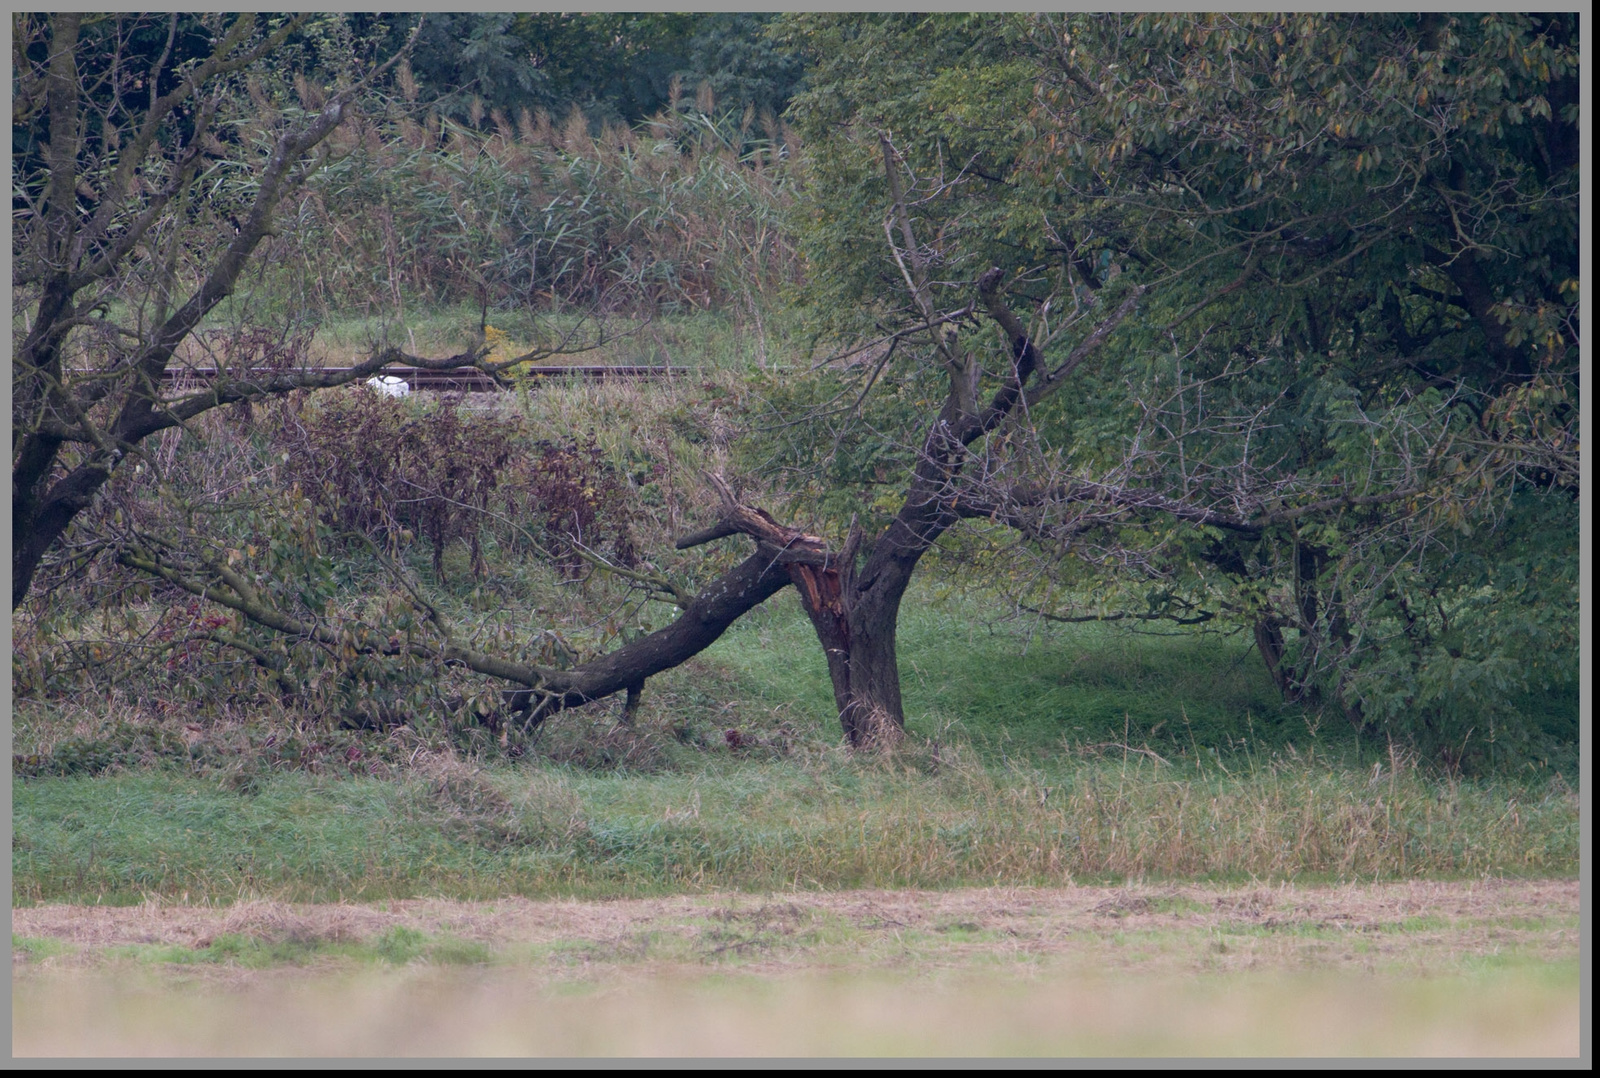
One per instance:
(1345, 412)
(615, 67)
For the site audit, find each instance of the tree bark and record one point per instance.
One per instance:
(708, 616)
(1269, 642)
(855, 620)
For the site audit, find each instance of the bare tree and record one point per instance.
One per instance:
(124, 243)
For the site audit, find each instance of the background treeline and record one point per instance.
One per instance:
(611, 161)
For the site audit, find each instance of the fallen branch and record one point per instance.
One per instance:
(542, 691)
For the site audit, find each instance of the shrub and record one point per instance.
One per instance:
(391, 470)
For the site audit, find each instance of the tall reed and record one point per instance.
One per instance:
(683, 213)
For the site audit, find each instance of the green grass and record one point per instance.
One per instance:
(39, 948)
(1082, 753)
(1015, 688)
(824, 823)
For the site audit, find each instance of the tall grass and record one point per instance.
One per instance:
(1004, 783)
(681, 214)
(817, 821)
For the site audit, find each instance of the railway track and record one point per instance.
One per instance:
(459, 380)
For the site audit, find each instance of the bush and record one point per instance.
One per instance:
(392, 470)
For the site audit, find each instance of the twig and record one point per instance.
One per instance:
(1157, 757)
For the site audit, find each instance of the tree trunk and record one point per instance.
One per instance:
(1269, 642)
(724, 601)
(855, 622)
(854, 614)
(873, 713)
(547, 690)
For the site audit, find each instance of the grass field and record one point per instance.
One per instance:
(1424, 968)
(758, 827)
(1094, 842)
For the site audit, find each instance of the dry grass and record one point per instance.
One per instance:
(1415, 926)
(1452, 969)
(428, 1014)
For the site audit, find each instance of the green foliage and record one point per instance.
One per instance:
(400, 944)
(1357, 238)
(1496, 637)
(617, 67)
(953, 93)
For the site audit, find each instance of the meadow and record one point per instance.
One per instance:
(1083, 754)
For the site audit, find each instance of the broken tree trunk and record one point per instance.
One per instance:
(854, 625)
(732, 595)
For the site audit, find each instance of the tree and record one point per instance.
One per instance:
(150, 173)
(1391, 201)
(1333, 222)
(150, 167)
(616, 67)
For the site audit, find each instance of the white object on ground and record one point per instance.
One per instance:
(390, 385)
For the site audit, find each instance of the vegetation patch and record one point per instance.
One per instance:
(1137, 927)
(823, 821)
(1031, 492)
